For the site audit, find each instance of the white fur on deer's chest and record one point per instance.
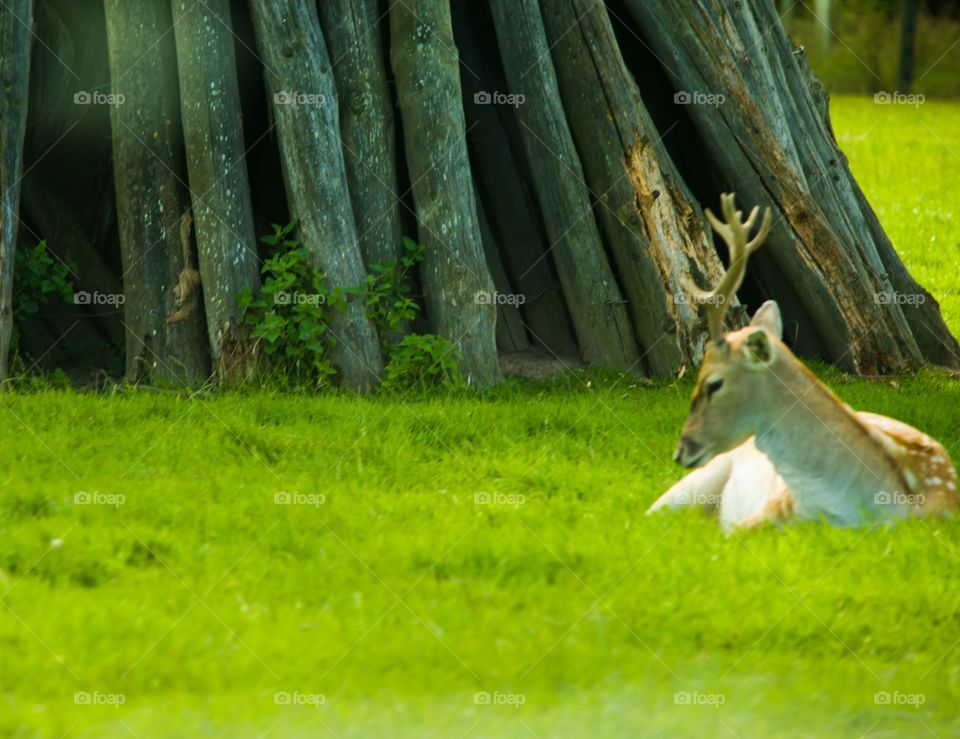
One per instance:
(751, 483)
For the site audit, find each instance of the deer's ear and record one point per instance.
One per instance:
(758, 349)
(768, 317)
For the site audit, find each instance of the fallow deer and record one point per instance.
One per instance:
(771, 442)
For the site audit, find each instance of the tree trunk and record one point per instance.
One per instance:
(596, 304)
(16, 18)
(908, 36)
(653, 227)
(301, 84)
(152, 197)
(824, 25)
(772, 146)
(425, 62)
(511, 209)
(351, 30)
(219, 190)
(511, 336)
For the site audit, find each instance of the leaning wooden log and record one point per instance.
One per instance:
(306, 110)
(16, 17)
(652, 225)
(511, 335)
(351, 30)
(596, 305)
(425, 62)
(500, 180)
(151, 196)
(772, 145)
(219, 189)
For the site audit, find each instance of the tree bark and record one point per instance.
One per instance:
(351, 30)
(425, 63)
(511, 336)
(16, 18)
(908, 37)
(773, 146)
(596, 304)
(219, 189)
(151, 196)
(654, 228)
(511, 210)
(301, 84)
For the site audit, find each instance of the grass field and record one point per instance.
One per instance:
(907, 161)
(470, 566)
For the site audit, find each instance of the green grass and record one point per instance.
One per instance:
(907, 161)
(398, 597)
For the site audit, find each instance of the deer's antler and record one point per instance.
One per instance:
(735, 232)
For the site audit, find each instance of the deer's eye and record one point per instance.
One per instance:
(714, 385)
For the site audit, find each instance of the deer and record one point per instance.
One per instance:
(768, 442)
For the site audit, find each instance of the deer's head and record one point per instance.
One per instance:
(727, 400)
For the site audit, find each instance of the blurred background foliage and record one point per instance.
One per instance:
(855, 46)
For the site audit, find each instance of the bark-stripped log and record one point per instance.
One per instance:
(305, 106)
(152, 197)
(219, 190)
(654, 228)
(596, 304)
(16, 17)
(511, 336)
(500, 175)
(772, 145)
(425, 63)
(351, 30)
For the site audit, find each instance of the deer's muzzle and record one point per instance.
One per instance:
(689, 452)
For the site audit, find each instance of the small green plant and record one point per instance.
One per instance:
(289, 315)
(38, 279)
(422, 362)
(414, 362)
(389, 301)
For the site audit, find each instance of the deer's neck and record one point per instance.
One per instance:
(832, 463)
